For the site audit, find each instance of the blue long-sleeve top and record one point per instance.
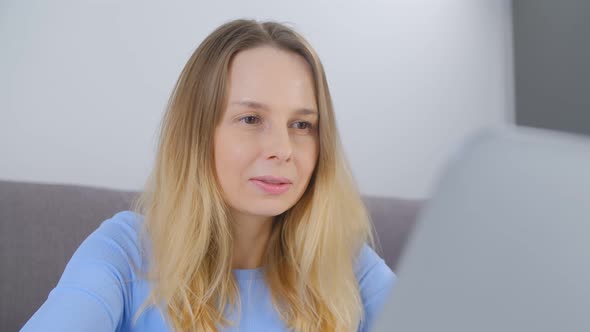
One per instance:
(99, 291)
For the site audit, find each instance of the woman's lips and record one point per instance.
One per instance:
(272, 188)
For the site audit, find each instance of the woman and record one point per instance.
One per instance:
(250, 220)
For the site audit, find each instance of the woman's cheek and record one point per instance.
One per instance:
(242, 150)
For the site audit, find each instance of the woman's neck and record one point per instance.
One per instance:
(250, 236)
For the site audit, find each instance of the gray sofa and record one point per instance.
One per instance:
(42, 225)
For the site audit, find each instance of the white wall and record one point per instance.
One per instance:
(83, 84)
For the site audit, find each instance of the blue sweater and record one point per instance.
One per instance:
(92, 294)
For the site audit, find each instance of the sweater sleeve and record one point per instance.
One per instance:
(94, 289)
(376, 281)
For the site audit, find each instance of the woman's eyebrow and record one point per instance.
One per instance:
(264, 107)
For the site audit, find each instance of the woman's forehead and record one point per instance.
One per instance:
(267, 75)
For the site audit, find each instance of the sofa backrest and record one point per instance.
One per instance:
(43, 224)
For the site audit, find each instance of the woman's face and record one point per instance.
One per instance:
(266, 144)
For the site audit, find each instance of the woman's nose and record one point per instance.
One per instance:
(279, 144)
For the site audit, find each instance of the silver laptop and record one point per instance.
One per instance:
(504, 242)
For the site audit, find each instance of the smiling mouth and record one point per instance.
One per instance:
(272, 188)
(272, 179)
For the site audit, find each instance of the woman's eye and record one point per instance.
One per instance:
(303, 125)
(253, 119)
(250, 119)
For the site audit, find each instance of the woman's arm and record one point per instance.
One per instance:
(90, 295)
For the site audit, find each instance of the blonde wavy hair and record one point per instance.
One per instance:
(310, 257)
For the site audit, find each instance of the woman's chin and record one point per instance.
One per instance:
(268, 209)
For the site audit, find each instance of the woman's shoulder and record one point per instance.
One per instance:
(368, 259)
(116, 241)
(124, 224)
(376, 281)
(123, 221)
(96, 287)
(122, 231)
(373, 274)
